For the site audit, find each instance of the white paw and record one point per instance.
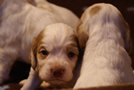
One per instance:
(45, 84)
(5, 87)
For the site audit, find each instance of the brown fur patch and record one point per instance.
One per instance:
(126, 35)
(94, 10)
(35, 44)
(39, 52)
(82, 35)
(1, 1)
(29, 1)
(73, 46)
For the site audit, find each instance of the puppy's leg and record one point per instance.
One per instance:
(7, 59)
(33, 81)
(43, 84)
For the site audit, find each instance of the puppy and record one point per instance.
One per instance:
(54, 54)
(63, 14)
(20, 23)
(104, 34)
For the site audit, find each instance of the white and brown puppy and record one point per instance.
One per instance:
(20, 23)
(54, 54)
(62, 13)
(105, 35)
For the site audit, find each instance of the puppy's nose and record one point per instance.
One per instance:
(58, 72)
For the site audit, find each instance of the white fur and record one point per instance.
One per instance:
(5, 87)
(105, 60)
(57, 66)
(20, 23)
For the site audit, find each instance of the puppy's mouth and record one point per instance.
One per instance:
(56, 81)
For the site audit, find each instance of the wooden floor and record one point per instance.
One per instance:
(112, 87)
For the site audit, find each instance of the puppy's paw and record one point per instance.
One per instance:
(45, 85)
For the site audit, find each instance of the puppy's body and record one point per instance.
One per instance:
(63, 14)
(20, 22)
(106, 35)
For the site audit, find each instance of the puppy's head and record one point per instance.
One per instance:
(97, 13)
(54, 53)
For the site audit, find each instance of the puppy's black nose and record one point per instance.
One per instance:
(57, 72)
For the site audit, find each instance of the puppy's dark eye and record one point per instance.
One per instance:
(44, 52)
(71, 54)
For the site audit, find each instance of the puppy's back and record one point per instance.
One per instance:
(105, 60)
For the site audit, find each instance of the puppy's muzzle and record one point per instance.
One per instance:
(57, 72)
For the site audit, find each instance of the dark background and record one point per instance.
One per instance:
(21, 70)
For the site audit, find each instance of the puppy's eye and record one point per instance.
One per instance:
(71, 54)
(44, 52)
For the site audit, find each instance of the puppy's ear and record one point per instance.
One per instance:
(82, 31)
(33, 55)
(35, 45)
(84, 24)
(126, 35)
(127, 39)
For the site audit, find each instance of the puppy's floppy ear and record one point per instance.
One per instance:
(127, 38)
(126, 35)
(33, 55)
(35, 44)
(82, 31)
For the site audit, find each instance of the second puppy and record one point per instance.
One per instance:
(104, 34)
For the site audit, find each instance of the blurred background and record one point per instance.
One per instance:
(126, 7)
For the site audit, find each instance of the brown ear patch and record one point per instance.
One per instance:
(35, 45)
(126, 34)
(82, 35)
(94, 10)
(82, 39)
